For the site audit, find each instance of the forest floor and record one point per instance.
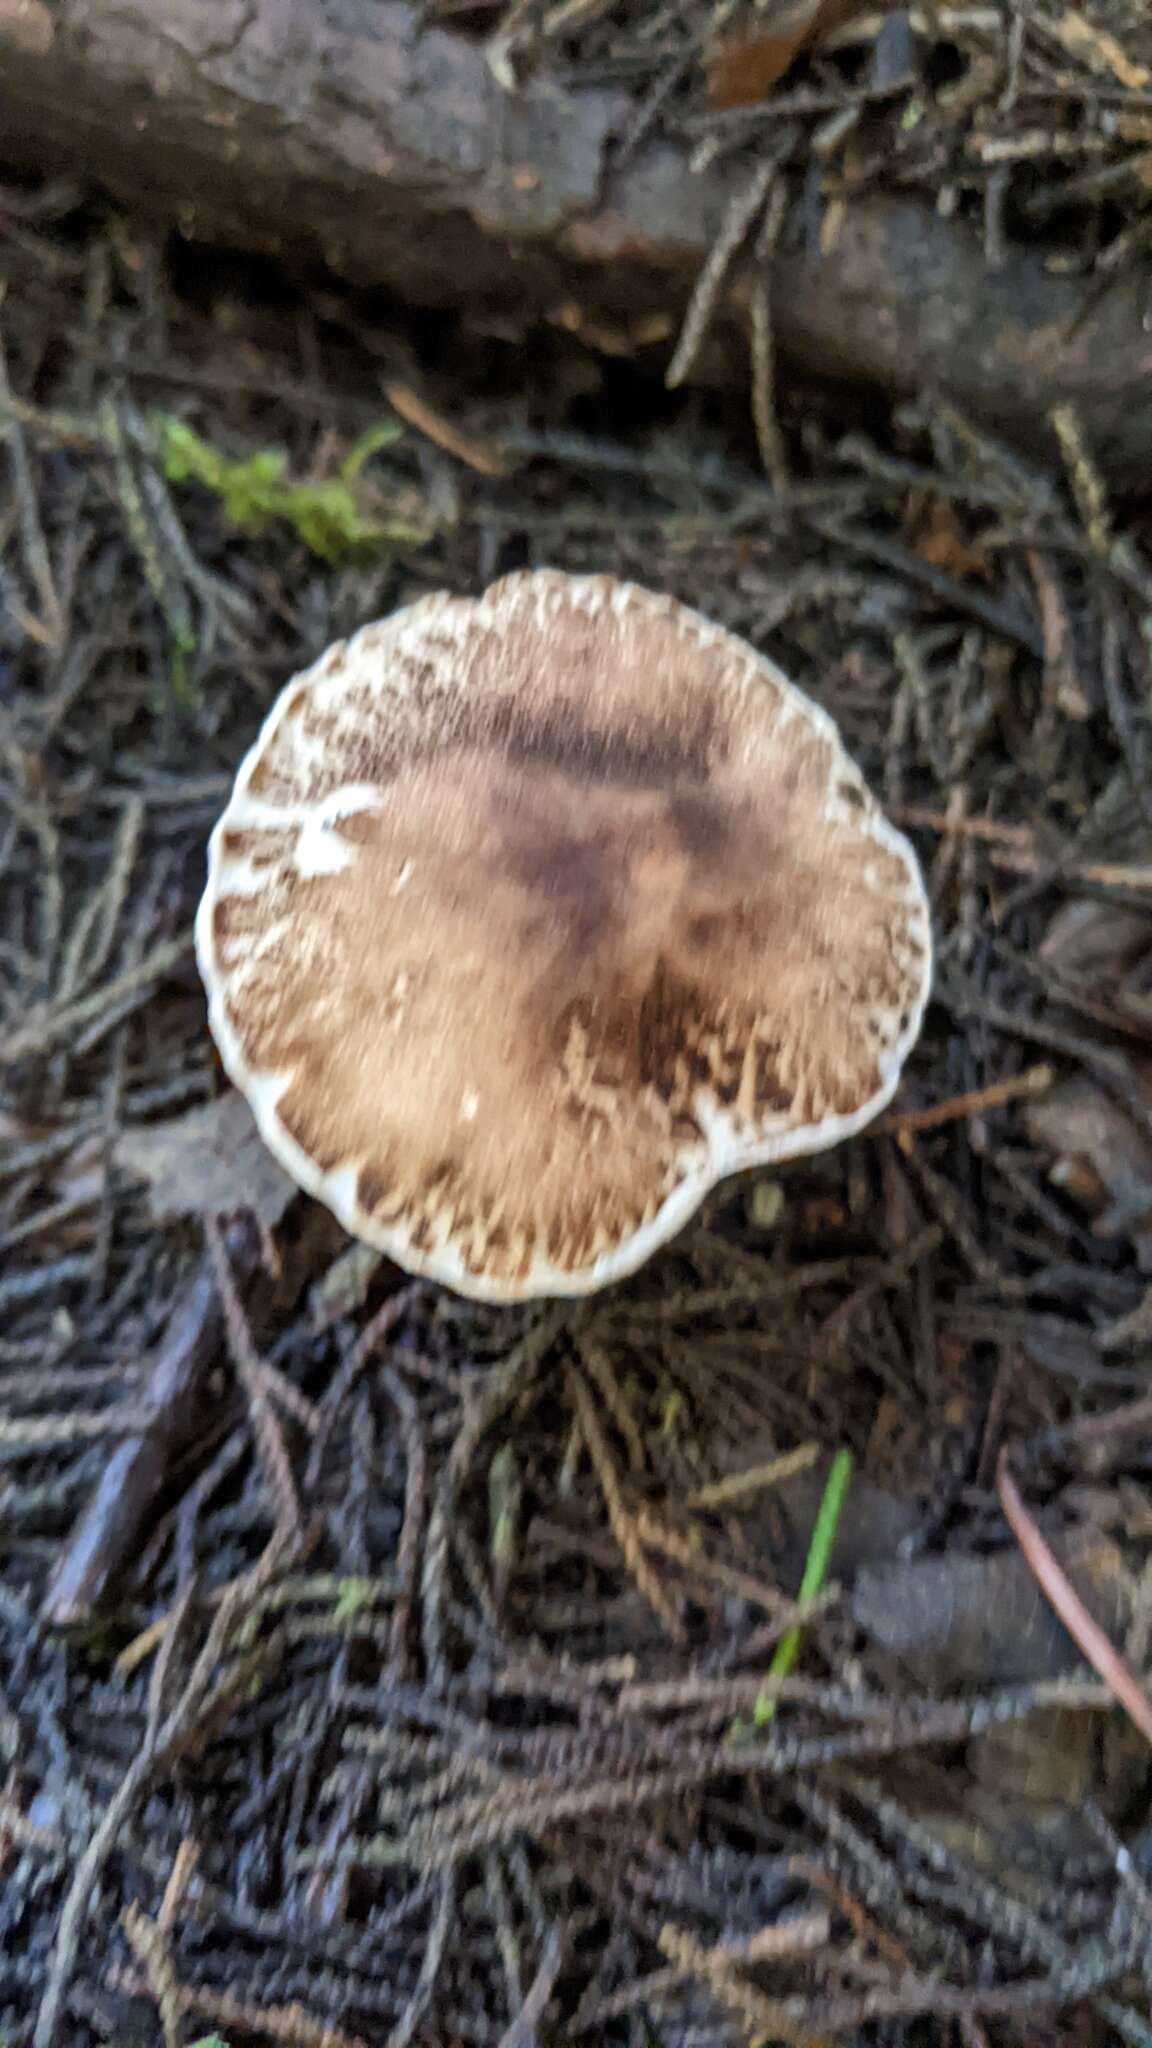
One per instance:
(376, 1667)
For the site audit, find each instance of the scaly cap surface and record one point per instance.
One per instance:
(532, 916)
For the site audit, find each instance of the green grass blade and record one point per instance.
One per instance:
(815, 1573)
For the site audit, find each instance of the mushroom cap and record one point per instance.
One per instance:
(531, 917)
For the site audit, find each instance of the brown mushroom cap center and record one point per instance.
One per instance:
(514, 950)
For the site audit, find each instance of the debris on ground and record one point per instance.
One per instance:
(377, 1667)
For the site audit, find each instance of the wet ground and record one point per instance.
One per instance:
(378, 1668)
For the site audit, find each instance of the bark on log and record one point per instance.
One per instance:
(337, 129)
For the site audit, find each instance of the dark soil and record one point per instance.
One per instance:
(405, 1683)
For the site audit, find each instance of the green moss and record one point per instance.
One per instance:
(354, 1596)
(337, 517)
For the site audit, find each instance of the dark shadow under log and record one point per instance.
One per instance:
(336, 130)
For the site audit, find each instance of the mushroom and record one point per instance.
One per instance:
(531, 917)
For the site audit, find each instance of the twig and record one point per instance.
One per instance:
(163, 1740)
(501, 1389)
(110, 1526)
(1053, 1581)
(623, 1523)
(287, 2024)
(415, 1511)
(90, 940)
(1084, 478)
(76, 1905)
(1003, 618)
(186, 1858)
(478, 455)
(523, 2032)
(769, 438)
(1013, 847)
(762, 2018)
(52, 1026)
(861, 1920)
(683, 1551)
(597, 1360)
(741, 213)
(266, 1431)
(796, 1937)
(149, 1944)
(1035, 1081)
(430, 1964)
(331, 1404)
(32, 532)
(737, 1484)
(1133, 1328)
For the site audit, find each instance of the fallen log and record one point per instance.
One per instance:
(340, 130)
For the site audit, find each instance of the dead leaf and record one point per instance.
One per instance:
(743, 66)
(1102, 954)
(823, 1214)
(934, 529)
(983, 1621)
(1102, 1157)
(742, 72)
(344, 1287)
(1099, 50)
(210, 1162)
(1098, 942)
(481, 456)
(1049, 1759)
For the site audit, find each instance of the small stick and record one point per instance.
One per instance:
(109, 1528)
(918, 818)
(1034, 1081)
(149, 1944)
(183, 1866)
(742, 211)
(762, 2018)
(289, 2024)
(769, 438)
(1061, 1595)
(862, 1922)
(52, 1025)
(622, 1522)
(789, 1938)
(737, 1484)
(1014, 848)
(267, 1435)
(656, 1535)
(416, 411)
